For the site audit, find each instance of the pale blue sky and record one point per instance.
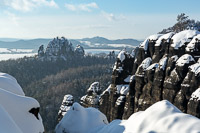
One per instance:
(88, 18)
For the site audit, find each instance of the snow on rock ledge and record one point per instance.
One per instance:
(21, 112)
(144, 44)
(196, 95)
(166, 37)
(184, 59)
(166, 119)
(80, 120)
(121, 56)
(181, 38)
(191, 45)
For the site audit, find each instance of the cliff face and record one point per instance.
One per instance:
(60, 48)
(164, 67)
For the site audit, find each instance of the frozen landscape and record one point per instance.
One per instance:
(99, 66)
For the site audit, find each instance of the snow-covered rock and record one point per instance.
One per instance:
(184, 59)
(144, 44)
(191, 46)
(21, 112)
(121, 56)
(92, 97)
(160, 117)
(67, 102)
(9, 83)
(60, 49)
(182, 37)
(79, 51)
(80, 120)
(165, 37)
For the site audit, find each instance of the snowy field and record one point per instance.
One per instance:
(15, 56)
(98, 51)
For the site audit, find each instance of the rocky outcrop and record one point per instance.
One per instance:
(59, 49)
(92, 97)
(67, 102)
(165, 67)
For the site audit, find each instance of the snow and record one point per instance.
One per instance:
(132, 53)
(122, 89)
(18, 108)
(107, 90)
(144, 44)
(191, 45)
(9, 83)
(94, 87)
(154, 37)
(17, 111)
(163, 63)
(15, 56)
(121, 45)
(184, 59)
(80, 120)
(164, 37)
(160, 117)
(7, 50)
(146, 63)
(121, 56)
(68, 98)
(7, 124)
(182, 37)
(120, 100)
(127, 79)
(195, 68)
(152, 66)
(98, 51)
(196, 95)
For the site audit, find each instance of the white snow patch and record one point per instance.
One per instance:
(18, 109)
(155, 37)
(161, 117)
(9, 83)
(122, 89)
(107, 90)
(144, 44)
(164, 37)
(146, 63)
(195, 68)
(182, 37)
(184, 59)
(127, 79)
(163, 63)
(7, 124)
(121, 45)
(80, 120)
(196, 95)
(121, 56)
(191, 45)
(94, 87)
(152, 66)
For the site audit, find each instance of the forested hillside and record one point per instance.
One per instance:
(49, 81)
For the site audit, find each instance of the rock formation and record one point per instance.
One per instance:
(59, 49)
(67, 102)
(92, 97)
(164, 67)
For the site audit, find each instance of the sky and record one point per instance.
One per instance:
(113, 19)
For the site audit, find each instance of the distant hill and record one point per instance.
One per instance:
(106, 43)
(86, 43)
(24, 44)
